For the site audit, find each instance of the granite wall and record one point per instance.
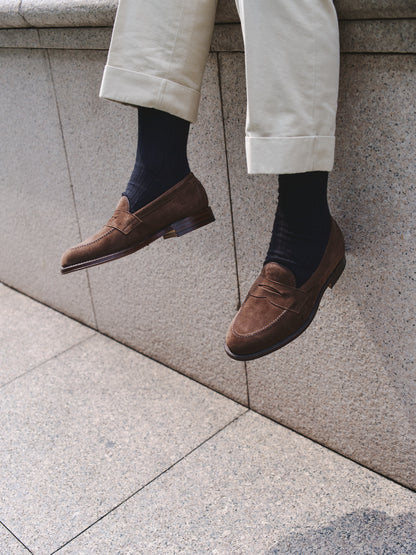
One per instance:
(349, 381)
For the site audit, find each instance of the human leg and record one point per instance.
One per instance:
(156, 61)
(158, 53)
(292, 69)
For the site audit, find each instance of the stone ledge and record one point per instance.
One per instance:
(100, 13)
(391, 36)
(346, 9)
(9, 14)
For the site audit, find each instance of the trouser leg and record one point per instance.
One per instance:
(158, 54)
(292, 71)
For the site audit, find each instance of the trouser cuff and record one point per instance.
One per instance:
(289, 154)
(140, 89)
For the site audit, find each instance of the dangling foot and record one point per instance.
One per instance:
(275, 311)
(181, 209)
(162, 198)
(306, 255)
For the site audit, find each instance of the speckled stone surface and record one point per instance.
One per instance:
(346, 9)
(227, 38)
(349, 381)
(9, 545)
(257, 487)
(67, 13)
(81, 38)
(227, 11)
(373, 9)
(9, 14)
(86, 430)
(380, 36)
(4, 289)
(82, 13)
(377, 36)
(19, 38)
(390, 36)
(173, 300)
(37, 213)
(31, 333)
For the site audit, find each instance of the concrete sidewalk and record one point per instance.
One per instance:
(105, 452)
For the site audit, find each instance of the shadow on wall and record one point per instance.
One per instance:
(359, 533)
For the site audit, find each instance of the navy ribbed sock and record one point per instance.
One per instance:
(302, 223)
(161, 159)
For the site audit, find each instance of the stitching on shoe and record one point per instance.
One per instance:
(92, 242)
(262, 329)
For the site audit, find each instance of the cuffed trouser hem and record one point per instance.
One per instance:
(140, 89)
(289, 154)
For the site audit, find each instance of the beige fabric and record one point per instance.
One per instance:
(158, 53)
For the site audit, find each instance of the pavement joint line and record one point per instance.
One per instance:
(56, 355)
(152, 480)
(249, 409)
(230, 198)
(102, 333)
(14, 535)
(68, 166)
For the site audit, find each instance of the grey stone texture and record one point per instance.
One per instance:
(9, 14)
(101, 13)
(30, 334)
(9, 545)
(346, 9)
(38, 213)
(68, 13)
(354, 369)
(391, 36)
(375, 9)
(89, 428)
(80, 38)
(105, 451)
(19, 38)
(227, 12)
(376, 36)
(257, 487)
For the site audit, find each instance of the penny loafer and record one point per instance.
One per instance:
(275, 311)
(181, 209)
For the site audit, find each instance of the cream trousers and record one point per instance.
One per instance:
(159, 50)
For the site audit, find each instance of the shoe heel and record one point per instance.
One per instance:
(336, 274)
(182, 227)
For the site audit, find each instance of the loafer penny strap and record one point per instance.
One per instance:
(123, 221)
(280, 295)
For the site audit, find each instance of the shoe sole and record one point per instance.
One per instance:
(331, 281)
(176, 229)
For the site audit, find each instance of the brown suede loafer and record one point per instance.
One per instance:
(275, 311)
(180, 210)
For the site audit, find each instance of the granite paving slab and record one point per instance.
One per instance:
(3, 289)
(9, 545)
(258, 488)
(31, 333)
(87, 429)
